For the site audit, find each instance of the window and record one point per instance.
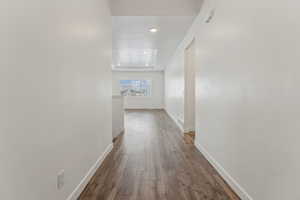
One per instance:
(135, 87)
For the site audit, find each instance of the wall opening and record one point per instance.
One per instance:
(189, 90)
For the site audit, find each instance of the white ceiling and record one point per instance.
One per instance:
(135, 48)
(155, 7)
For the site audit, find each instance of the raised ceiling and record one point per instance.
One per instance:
(135, 48)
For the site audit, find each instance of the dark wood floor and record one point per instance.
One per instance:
(152, 161)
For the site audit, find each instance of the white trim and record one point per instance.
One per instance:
(143, 108)
(79, 189)
(180, 120)
(117, 96)
(177, 121)
(122, 130)
(225, 175)
(189, 42)
(187, 130)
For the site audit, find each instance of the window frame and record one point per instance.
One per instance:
(149, 89)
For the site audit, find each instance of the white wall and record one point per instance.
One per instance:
(55, 83)
(117, 115)
(189, 88)
(247, 93)
(155, 101)
(174, 82)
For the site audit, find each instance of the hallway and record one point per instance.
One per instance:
(151, 161)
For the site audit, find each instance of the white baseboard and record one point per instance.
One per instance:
(187, 130)
(240, 191)
(176, 121)
(79, 189)
(118, 132)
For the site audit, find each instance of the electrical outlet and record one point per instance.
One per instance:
(61, 179)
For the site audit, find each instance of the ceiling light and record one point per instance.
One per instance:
(153, 30)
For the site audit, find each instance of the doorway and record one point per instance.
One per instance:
(189, 91)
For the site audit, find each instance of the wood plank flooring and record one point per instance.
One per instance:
(190, 137)
(152, 161)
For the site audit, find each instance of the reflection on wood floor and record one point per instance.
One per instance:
(189, 137)
(152, 161)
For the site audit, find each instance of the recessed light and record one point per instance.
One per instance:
(153, 30)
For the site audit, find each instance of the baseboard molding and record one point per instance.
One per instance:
(187, 130)
(175, 120)
(119, 132)
(79, 189)
(118, 135)
(237, 188)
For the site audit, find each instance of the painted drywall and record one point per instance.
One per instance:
(55, 83)
(247, 94)
(117, 115)
(174, 81)
(189, 88)
(154, 101)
